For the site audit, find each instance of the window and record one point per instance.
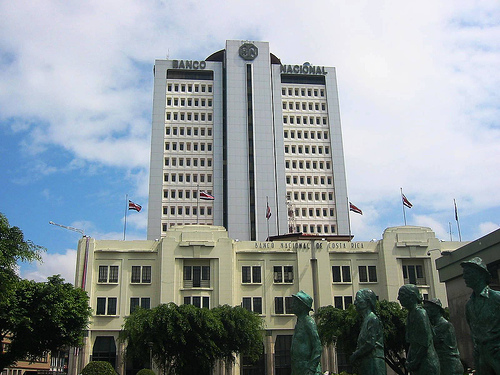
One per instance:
(251, 274)
(106, 306)
(196, 276)
(341, 274)
(252, 304)
(414, 274)
(283, 274)
(342, 302)
(367, 274)
(198, 301)
(135, 302)
(141, 274)
(108, 274)
(283, 305)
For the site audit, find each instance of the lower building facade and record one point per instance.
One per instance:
(201, 265)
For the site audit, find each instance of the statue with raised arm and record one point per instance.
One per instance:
(483, 316)
(421, 357)
(369, 354)
(445, 341)
(306, 346)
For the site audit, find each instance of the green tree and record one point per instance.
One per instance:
(241, 334)
(341, 328)
(35, 317)
(98, 368)
(176, 335)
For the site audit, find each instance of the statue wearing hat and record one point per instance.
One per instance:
(306, 346)
(483, 315)
(369, 355)
(421, 358)
(445, 341)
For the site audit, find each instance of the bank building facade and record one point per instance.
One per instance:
(257, 134)
(247, 206)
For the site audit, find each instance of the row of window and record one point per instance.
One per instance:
(164, 226)
(304, 120)
(252, 274)
(311, 228)
(189, 102)
(188, 177)
(306, 134)
(139, 274)
(302, 91)
(284, 274)
(195, 146)
(188, 130)
(307, 164)
(176, 116)
(187, 210)
(304, 106)
(300, 149)
(182, 194)
(314, 212)
(310, 196)
(174, 162)
(308, 180)
(189, 87)
(342, 274)
(109, 305)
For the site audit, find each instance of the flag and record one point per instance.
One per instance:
(406, 202)
(355, 209)
(268, 212)
(206, 196)
(134, 206)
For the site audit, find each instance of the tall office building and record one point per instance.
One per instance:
(261, 137)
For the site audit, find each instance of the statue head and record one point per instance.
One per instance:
(302, 299)
(365, 296)
(434, 309)
(475, 271)
(409, 295)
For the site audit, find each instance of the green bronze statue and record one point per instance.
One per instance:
(421, 357)
(369, 354)
(483, 316)
(445, 341)
(306, 346)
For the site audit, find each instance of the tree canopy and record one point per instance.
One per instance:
(341, 328)
(178, 334)
(35, 317)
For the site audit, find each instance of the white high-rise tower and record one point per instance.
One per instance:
(251, 131)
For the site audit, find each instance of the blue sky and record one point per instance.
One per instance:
(418, 89)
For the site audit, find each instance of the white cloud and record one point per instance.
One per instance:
(486, 228)
(418, 87)
(53, 264)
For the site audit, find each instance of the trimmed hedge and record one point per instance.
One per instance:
(98, 368)
(146, 371)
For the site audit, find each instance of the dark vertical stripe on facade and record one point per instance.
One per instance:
(225, 220)
(251, 162)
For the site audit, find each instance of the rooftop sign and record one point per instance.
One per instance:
(305, 68)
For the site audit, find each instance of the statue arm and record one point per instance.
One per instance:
(316, 347)
(368, 338)
(422, 338)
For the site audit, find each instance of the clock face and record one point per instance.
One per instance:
(248, 51)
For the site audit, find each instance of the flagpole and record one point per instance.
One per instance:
(198, 204)
(404, 213)
(267, 205)
(451, 236)
(125, 224)
(458, 222)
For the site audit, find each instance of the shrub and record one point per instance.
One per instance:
(146, 371)
(98, 368)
